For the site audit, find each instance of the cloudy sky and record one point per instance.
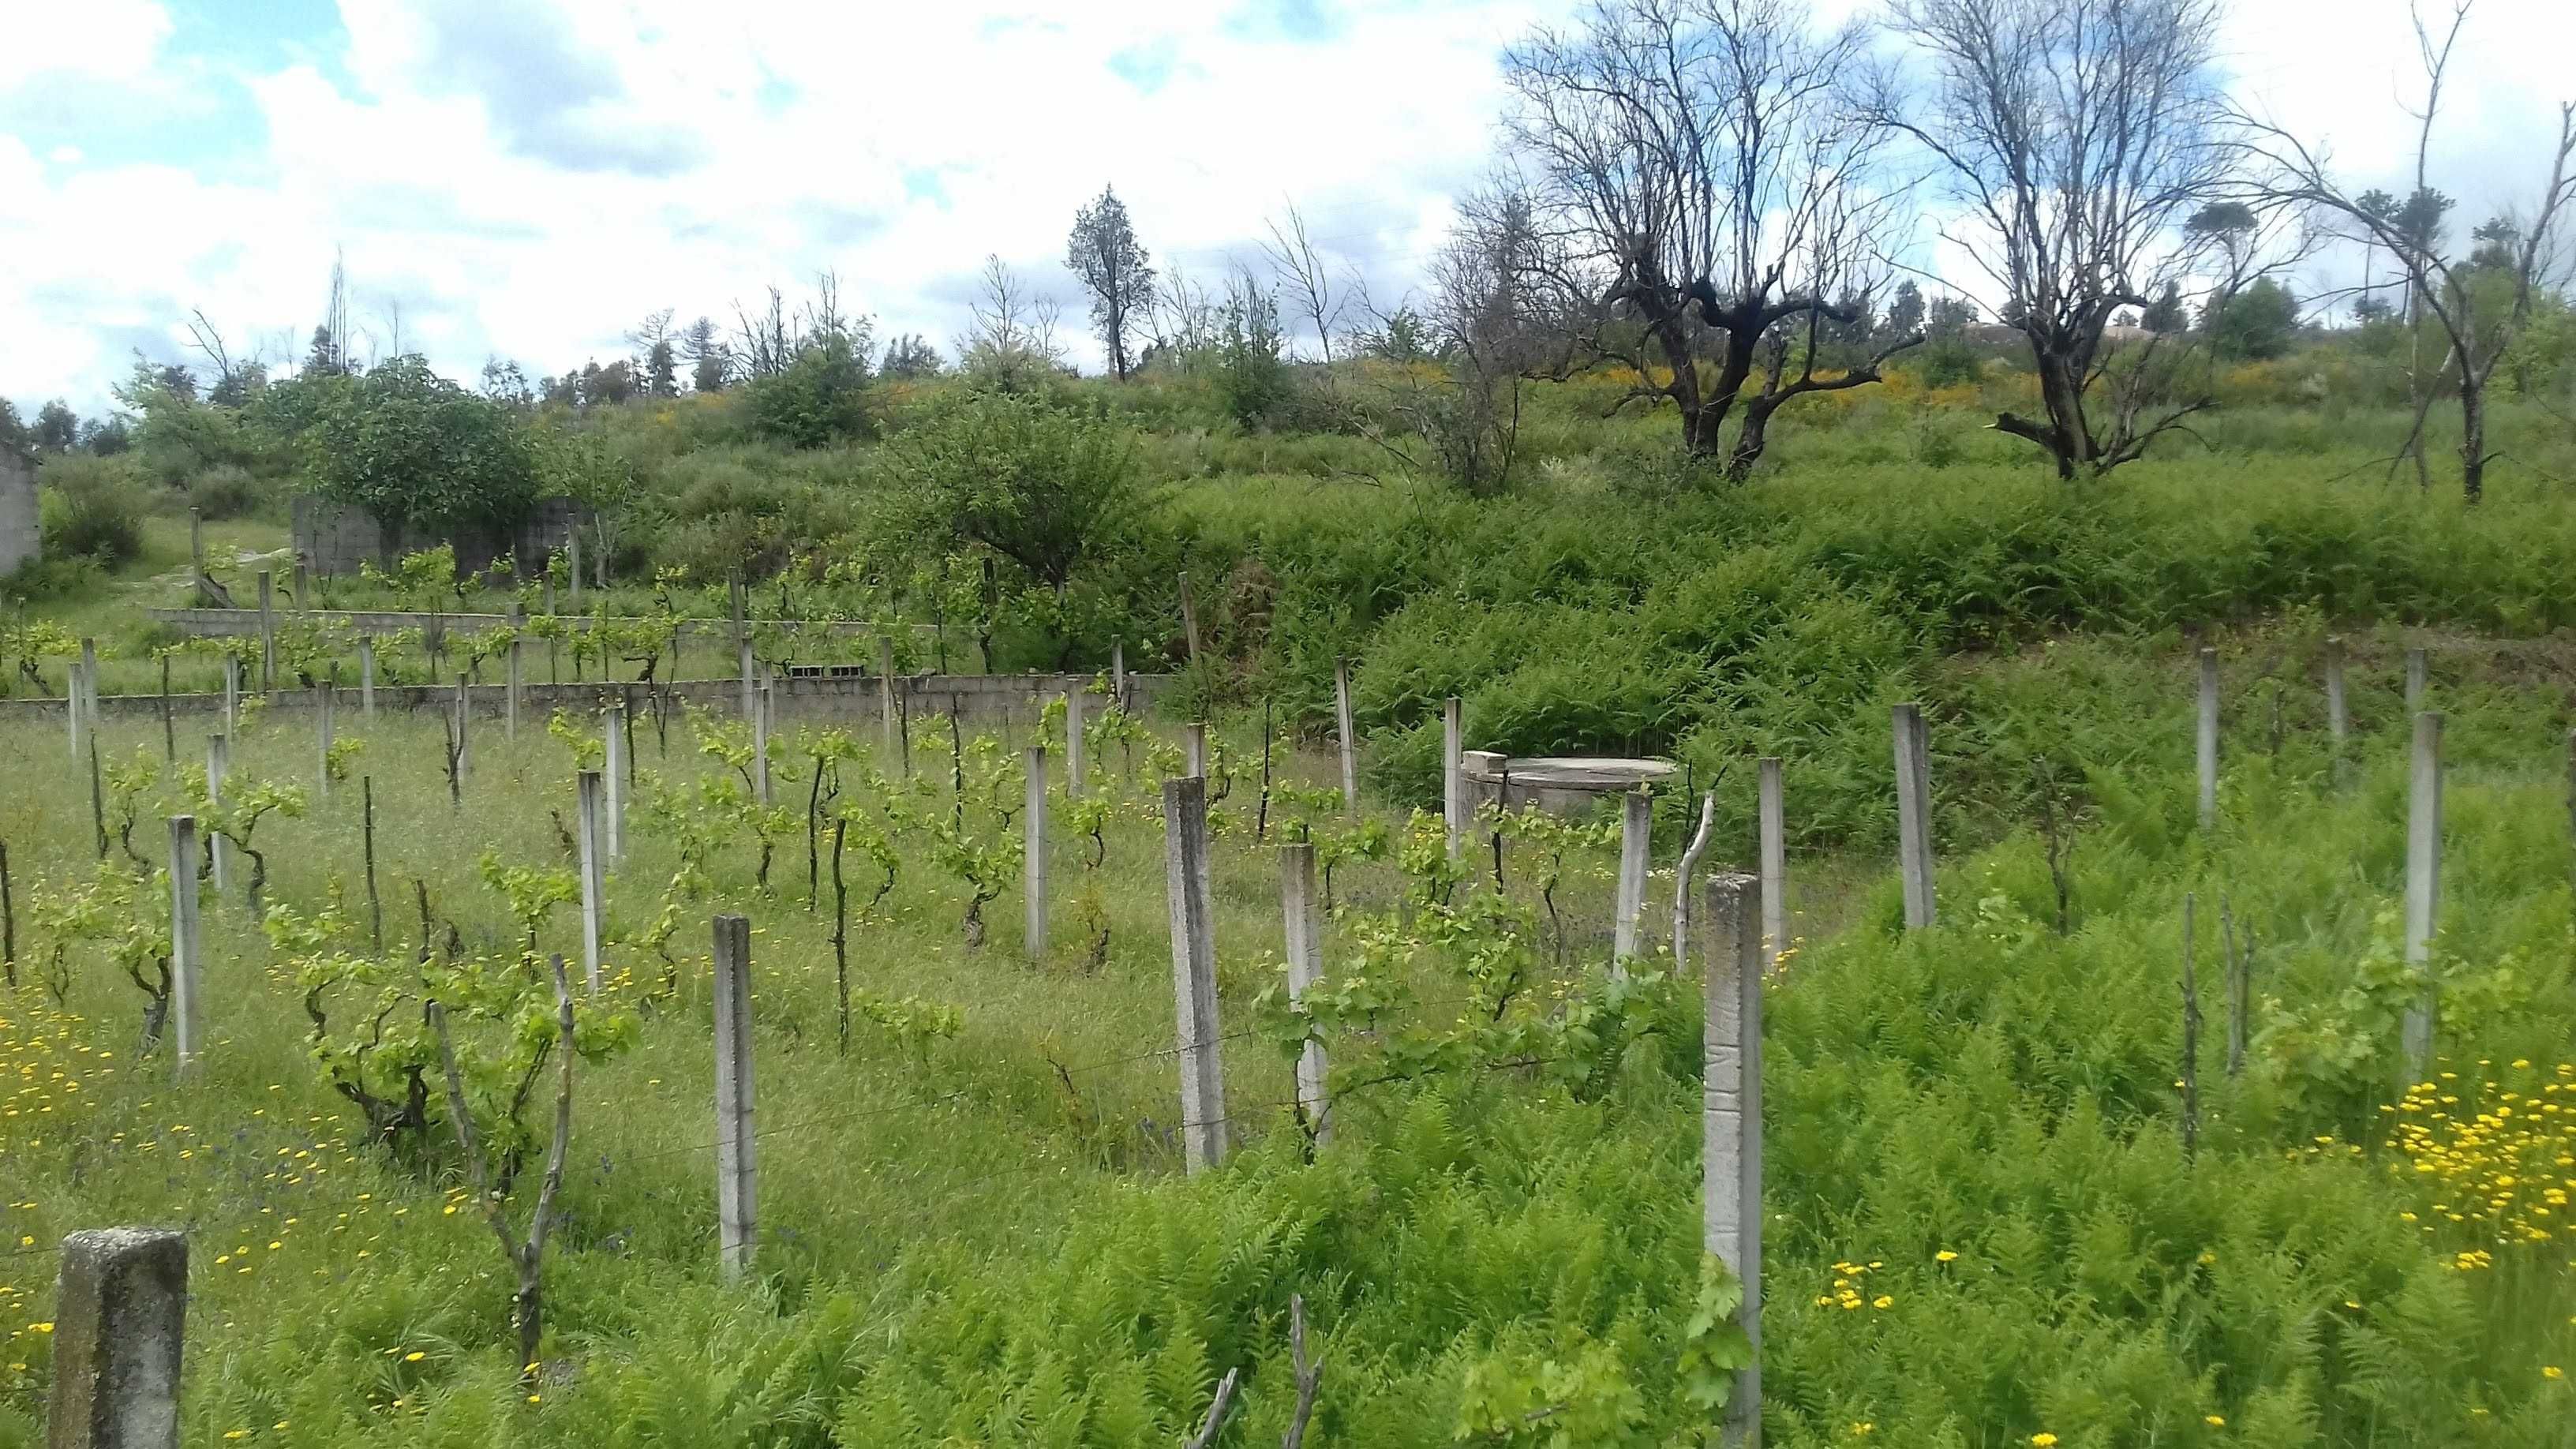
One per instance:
(528, 178)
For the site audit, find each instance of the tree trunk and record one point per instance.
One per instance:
(2473, 436)
(528, 1312)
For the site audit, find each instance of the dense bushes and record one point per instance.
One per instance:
(93, 508)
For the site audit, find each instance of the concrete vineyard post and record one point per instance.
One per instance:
(2338, 708)
(187, 949)
(2415, 677)
(1305, 969)
(1118, 673)
(885, 690)
(1914, 815)
(1636, 836)
(1731, 1114)
(759, 716)
(1033, 857)
(1342, 737)
(120, 1323)
(572, 562)
(367, 679)
(72, 710)
(267, 635)
(1774, 863)
(464, 715)
(1185, 849)
(1194, 750)
(83, 698)
(1073, 742)
(219, 763)
(737, 1145)
(2423, 882)
(586, 835)
(510, 694)
(613, 736)
(325, 708)
(232, 693)
(1453, 781)
(2205, 739)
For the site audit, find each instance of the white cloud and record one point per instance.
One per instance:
(109, 39)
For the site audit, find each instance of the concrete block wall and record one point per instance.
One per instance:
(335, 538)
(21, 536)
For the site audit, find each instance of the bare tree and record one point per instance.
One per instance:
(1302, 274)
(1185, 317)
(2077, 137)
(1104, 253)
(1012, 343)
(764, 342)
(2480, 303)
(1696, 184)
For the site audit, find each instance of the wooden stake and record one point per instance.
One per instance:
(1914, 816)
(1682, 876)
(375, 902)
(324, 706)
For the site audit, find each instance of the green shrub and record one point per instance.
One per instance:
(93, 508)
(228, 491)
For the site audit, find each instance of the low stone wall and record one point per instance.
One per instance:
(976, 699)
(244, 623)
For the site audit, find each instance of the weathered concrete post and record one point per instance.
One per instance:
(759, 715)
(120, 1319)
(1185, 849)
(737, 1145)
(367, 678)
(885, 690)
(613, 735)
(1914, 815)
(2415, 677)
(74, 712)
(326, 708)
(1636, 835)
(1343, 738)
(1305, 969)
(187, 949)
(2338, 709)
(510, 694)
(1774, 863)
(2206, 739)
(232, 693)
(572, 562)
(84, 699)
(464, 716)
(2423, 882)
(1453, 781)
(1073, 742)
(1033, 857)
(1118, 673)
(1732, 1118)
(267, 634)
(593, 882)
(1194, 749)
(219, 763)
